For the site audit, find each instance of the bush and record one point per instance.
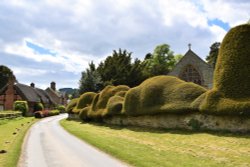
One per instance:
(114, 106)
(162, 94)
(53, 112)
(21, 106)
(71, 105)
(61, 108)
(38, 114)
(38, 107)
(85, 100)
(100, 101)
(231, 94)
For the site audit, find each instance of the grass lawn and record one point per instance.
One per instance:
(12, 133)
(151, 147)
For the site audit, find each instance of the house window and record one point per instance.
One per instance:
(190, 74)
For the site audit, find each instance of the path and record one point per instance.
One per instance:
(49, 145)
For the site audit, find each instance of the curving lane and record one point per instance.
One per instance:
(49, 145)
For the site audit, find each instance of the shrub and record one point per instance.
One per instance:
(114, 106)
(231, 94)
(38, 107)
(61, 108)
(83, 114)
(85, 100)
(21, 106)
(161, 94)
(71, 105)
(38, 114)
(53, 112)
(100, 101)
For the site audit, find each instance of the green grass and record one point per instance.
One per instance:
(10, 142)
(151, 147)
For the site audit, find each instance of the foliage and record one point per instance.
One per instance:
(10, 114)
(101, 100)
(5, 75)
(90, 80)
(213, 54)
(61, 108)
(46, 113)
(161, 61)
(38, 107)
(114, 106)
(85, 100)
(21, 106)
(115, 70)
(231, 94)
(161, 94)
(71, 105)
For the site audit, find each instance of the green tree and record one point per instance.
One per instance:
(5, 74)
(90, 80)
(213, 54)
(177, 58)
(161, 61)
(115, 70)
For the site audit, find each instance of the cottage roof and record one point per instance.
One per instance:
(28, 93)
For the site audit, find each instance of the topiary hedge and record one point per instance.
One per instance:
(85, 100)
(162, 94)
(231, 92)
(21, 106)
(99, 104)
(71, 105)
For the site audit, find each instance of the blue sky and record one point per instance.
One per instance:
(45, 40)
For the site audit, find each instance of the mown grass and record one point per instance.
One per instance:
(153, 148)
(12, 133)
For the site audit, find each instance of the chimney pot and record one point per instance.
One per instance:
(53, 86)
(32, 85)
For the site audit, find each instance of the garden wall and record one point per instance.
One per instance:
(192, 121)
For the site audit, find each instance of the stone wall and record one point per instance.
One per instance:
(193, 121)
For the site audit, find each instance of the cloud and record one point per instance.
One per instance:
(76, 32)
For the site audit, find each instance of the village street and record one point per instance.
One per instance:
(48, 145)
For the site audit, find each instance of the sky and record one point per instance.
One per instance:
(54, 40)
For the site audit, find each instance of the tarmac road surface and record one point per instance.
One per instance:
(47, 144)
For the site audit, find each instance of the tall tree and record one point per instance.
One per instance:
(213, 54)
(161, 61)
(5, 74)
(90, 80)
(115, 70)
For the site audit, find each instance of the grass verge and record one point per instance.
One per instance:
(153, 148)
(12, 132)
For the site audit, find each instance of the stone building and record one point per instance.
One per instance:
(192, 68)
(58, 97)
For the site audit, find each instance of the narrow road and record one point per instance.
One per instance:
(49, 145)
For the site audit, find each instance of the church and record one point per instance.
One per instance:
(192, 68)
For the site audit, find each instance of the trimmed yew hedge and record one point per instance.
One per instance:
(231, 91)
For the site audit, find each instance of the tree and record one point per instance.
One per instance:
(90, 80)
(5, 74)
(115, 70)
(177, 58)
(161, 61)
(213, 54)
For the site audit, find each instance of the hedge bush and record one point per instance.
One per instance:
(61, 108)
(85, 100)
(21, 106)
(162, 94)
(46, 113)
(231, 92)
(38, 107)
(71, 105)
(100, 101)
(114, 106)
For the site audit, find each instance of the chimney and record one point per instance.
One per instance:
(32, 85)
(53, 85)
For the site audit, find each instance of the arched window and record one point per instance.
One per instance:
(190, 74)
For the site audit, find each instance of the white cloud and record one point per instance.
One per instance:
(80, 31)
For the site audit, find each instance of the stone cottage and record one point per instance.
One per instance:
(192, 68)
